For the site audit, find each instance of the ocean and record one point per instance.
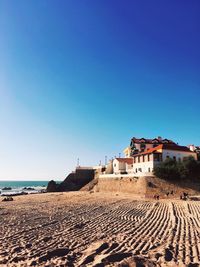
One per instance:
(18, 187)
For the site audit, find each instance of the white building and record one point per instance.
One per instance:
(122, 165)
(139, 145)
(144, 163)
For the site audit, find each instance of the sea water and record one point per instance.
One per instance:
(18, 187)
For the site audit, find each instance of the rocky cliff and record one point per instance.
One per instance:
(73, 182)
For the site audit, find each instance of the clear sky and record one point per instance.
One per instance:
(79, 78)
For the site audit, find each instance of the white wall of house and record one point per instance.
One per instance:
(118, 166)
(144, 168)
(144, 158)
(129, 168)
(147, 163)
(179, 155)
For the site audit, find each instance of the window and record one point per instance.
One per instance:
(174, 158)
(156, 157)
(142, 146)
(136, 170)
(143, 158)
(138, 158)
(115, 165)
(148, 157)
(149, 170)
(132, 145)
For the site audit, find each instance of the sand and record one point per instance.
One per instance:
(98, 229)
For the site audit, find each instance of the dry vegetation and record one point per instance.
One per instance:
(99, 229)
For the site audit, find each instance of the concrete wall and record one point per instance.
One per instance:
(146, 186)
(118, 176)
(124, 185)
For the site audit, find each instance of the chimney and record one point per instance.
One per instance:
(159, 138)
(191, 147)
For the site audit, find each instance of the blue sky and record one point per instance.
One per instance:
(78, 79)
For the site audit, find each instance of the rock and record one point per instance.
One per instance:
(7, 188)
(28, 188)
(7, 198)
(77, 180)
(52, 186)
(73, 182)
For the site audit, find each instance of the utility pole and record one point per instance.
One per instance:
(77, 162)
(105, 160)
(119, 155)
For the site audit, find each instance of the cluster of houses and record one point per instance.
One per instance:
(143, 155)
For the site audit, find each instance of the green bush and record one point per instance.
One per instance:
(171, 169)
(167, 170)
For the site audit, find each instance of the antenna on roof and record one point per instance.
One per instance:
(119, 155)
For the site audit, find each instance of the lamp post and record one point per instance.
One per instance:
(105, 160)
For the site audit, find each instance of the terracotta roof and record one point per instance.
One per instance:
(126, 160)
(150, 150)
(151, 141)
(166, 147)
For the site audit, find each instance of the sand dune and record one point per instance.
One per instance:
(99, 229)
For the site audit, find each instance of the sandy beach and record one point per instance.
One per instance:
(98, 229)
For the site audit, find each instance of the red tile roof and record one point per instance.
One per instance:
(166, 147)
(126, 160)
(151, 141)
(150, 150)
